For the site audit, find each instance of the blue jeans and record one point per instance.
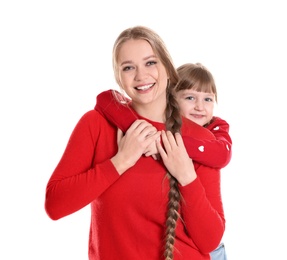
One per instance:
(219, 253)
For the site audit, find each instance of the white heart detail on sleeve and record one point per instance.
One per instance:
(201, 148)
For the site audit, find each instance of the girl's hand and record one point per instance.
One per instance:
(133, 144)
(152, 151)
(175, 157)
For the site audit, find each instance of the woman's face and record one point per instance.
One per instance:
(142, 75)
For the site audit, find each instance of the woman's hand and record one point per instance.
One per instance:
(175, 157)
(133, 144)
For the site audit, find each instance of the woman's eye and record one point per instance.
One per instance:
(127, 68)
(151, 63)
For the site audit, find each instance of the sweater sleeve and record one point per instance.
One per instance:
(214, 153)
(201, 206)
(77, 180)
(202, 209)
(115, 107)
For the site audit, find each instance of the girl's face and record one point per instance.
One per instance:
(142, 76)
(196, 106)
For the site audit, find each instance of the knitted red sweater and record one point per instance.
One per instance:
(128, 211)
(214, 153)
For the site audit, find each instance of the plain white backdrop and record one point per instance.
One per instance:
(55, 57)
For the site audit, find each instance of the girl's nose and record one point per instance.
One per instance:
(198, 105)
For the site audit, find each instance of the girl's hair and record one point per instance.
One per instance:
(173, 118)
(195, 77)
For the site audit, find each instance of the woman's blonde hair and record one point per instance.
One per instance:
(172, 115)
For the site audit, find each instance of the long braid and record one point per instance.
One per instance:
(173, 124)
(173, 118)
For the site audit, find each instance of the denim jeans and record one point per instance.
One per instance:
(219, 253)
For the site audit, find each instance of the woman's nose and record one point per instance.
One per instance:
(140, 74)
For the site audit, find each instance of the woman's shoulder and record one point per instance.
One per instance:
(91, 114)
(93, 117)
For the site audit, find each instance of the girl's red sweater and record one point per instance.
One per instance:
(128, 211)
(214, 153)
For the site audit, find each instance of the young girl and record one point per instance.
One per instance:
(196, 94)
(141, 208)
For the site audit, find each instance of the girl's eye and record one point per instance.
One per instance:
(209, 99)
(190, 98)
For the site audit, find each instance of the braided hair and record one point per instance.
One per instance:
(173, 124)
(172, 115)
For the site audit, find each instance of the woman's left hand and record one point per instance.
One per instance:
(175, 157)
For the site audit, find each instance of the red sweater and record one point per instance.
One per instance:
(128, 211)
(214, 153)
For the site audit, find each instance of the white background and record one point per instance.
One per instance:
(55, 57)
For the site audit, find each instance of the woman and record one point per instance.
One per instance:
(196, 94)
(138, 210)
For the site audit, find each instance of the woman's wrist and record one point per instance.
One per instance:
(120, 164)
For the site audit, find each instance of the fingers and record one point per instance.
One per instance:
(141, 135)
(152, 138)
(151, 150)
(160, 148)
(155, 156)
(176, 158)
(165, 136)
(120, 135)
(178, 139)
(170, 143)
(169, 140)
(143, 128)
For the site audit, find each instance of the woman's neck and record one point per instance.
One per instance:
(151, 112)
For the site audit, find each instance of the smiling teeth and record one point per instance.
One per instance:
(144, 87)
